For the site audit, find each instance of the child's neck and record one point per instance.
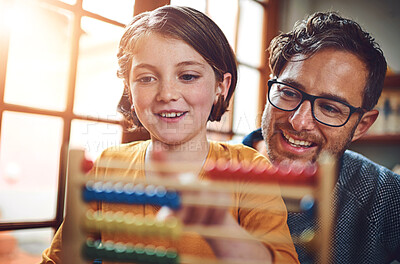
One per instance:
(191, 155)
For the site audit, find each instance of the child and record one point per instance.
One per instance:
(180, 72)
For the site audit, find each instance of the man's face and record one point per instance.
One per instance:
(296, 135)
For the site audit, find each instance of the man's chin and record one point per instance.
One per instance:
(278, 158)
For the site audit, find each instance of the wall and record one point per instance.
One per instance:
(380, 18)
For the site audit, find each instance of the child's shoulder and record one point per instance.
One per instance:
(238, 152)
(125, 150)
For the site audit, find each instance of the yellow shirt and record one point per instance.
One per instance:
(266, 220)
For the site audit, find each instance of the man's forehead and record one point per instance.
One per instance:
(328, 71)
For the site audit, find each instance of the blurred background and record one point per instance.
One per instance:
(58, 89)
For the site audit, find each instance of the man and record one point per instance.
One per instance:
(327, 77)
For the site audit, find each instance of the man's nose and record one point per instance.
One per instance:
(167, 91)
(302, 118)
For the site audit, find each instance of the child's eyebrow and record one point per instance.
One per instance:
(143, 65)
(190, 63)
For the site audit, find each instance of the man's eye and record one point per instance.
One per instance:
(329, 109)
(188, 77)
(289, 93)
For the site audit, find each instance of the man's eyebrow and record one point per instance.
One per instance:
(299, 86)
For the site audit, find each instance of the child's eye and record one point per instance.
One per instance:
(189, 77)
(146, 79)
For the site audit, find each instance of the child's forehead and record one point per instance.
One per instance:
(147, 36)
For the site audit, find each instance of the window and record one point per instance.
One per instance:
(58, 89)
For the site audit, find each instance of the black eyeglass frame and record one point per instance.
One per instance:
(305, 96)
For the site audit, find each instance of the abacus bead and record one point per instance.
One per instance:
(140, 253)
(245, 168)
(150, 194)
(88, 193)
(119, 249)
(222, 167)
(89, 221)
(98, 220)
(171, 256)
(307, 203)
(86, 165)
(149, 226)
(100, 251)
(109, 252)
(271, 174)
(108, 192)
(89, 249)
(129, 223)
(138, 226)
(139, 194)
(108, 225)
(234, 172)
(309, 174)
(160, 254)
(173, 200)
(150, 254)
(129, 254)
(128, 188)
(119, 221)
(174, 226)
(283, 173)
(307, 236)
(98, 191)
(127, 193)
(295, 175)
(162, 230)
(118, 192)
(159, 197)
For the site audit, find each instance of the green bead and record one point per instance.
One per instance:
(129, 254)
(172, 256)
(140, 253)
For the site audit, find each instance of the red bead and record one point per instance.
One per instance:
(86, 165)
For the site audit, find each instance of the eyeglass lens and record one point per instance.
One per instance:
(325, 110)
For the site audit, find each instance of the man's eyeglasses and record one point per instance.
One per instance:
(327, 111)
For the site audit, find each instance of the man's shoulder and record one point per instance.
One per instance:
(354, 164)
(367, 181)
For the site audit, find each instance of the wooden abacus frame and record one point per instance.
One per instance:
(78, 218)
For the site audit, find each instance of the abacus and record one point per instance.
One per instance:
(297, 186)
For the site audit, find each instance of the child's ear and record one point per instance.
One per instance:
(366, 122)
(223, 86)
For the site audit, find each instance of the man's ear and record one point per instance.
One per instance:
(223, 86)
(366, 122)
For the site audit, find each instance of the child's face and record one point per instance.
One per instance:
(173, 89)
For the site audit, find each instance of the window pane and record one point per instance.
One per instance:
(250, 32)
(98, 89)
(94, 137)
(196, 4)
(38, 58)
(226, 20)
(24, 246)
(245, 101)
(118, 10)
(29, 166)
